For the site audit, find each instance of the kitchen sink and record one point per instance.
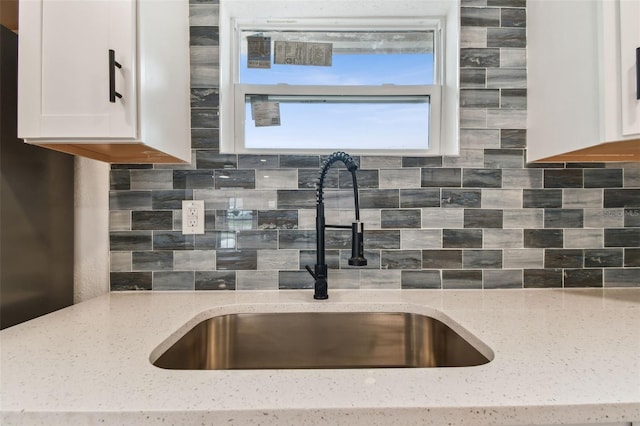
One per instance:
(300, 340)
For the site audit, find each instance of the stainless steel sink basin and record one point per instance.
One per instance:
(319, 340)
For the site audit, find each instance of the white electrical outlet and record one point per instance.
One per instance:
(192, 217)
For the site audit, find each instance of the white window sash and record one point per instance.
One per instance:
(432, 91)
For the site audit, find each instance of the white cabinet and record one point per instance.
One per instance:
(582, 72)
(629, 63)
(106, 79)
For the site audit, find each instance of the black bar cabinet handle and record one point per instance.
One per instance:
(638, 73)
(112, 76)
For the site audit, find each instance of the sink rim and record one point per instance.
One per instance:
(275, 308)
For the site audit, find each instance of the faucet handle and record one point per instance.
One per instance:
(357, 245)
(313, 274)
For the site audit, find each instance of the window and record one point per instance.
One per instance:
(367, 85)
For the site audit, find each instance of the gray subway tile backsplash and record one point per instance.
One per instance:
(130, 240)
(205, 98)
(618, 277)
(621, 198)
(507, 3)
(581, 198)
(527, 258)
(626, 237)
(603, 178)
(482, 178)
(120, 180)
(466, 238)
(563, 218)
(447, 177)
(172, 240)
(130, 200)
(542, 198)
(205, 139)
(401, 259)
(473, 37)
(378, 198)
(542, 278)
(421, 279)
(215, 280)
(170, 199)
(506, 37)
(503, 238)
(631, 257)
(482, 259)
(513, 17)
(501, 198)
(481, 219)
(442, 259)
(564, 178)
(425, 197)
(231, 179)
(179, 281)
(563, 258)
(479, 58)
(145, 220)
(513, 58)
(194, 260)
(152, 261)
(193, 179)
(473, 77)
(461, 198)
(580, 238)
(511, 78)
(604, 258)
(126, 281)
(277, 219)
(479, 17)
(480, 98)
(457, 279)
(504, 158)
(513, 138)
(401, 218)
(502, 278)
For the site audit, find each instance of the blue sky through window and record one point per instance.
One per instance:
(351, 125)
(343, 126)
(348, 69)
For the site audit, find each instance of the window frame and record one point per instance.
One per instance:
(242, 90)
(443, 136)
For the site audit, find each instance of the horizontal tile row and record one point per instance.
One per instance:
(224, 172)
(563, 207)
(290, 259)
(369, 279)
(573, 221)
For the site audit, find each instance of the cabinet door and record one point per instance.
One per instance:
(67, 87)
(629, 42)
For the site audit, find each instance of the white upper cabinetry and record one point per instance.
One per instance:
(582, 80)
(106, 79)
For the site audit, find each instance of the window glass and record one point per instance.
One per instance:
(356, 58)
(337, 122)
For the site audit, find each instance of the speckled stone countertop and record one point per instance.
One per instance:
(559, 356)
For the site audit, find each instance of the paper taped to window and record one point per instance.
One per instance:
(303, 53)
(259, 52)
(265, 113)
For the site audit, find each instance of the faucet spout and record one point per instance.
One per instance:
(320, 270)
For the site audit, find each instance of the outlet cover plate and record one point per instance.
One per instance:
(192, 217)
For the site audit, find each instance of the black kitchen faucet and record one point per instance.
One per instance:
(319, 272)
